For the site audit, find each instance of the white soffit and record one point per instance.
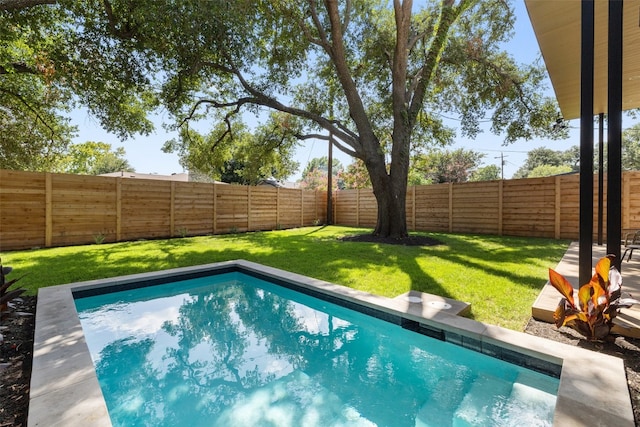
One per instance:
(557, 26)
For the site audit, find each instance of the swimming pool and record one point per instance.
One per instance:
(65, 389)
(235, 350)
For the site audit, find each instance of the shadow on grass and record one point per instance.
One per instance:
(314, 252)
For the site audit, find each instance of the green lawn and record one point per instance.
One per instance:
(499, 276)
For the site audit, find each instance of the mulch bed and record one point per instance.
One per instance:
(16, 353)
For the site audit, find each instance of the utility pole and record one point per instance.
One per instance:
(330, 181)
(502, 156)
(330, 167)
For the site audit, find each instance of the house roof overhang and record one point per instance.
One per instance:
(557, 28)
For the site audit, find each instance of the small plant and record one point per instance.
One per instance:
(317, 222)
(6, 295)
(99, 238)
(599, 301)
(233, 230)
(183, 231)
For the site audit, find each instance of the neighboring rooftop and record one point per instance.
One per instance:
(184, 177)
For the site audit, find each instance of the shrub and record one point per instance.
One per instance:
(6, 295)
(599, 301)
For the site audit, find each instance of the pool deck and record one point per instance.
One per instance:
(628, 321)
(65, 389)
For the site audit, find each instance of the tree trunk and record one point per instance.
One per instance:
(392, 218)
(390, 191)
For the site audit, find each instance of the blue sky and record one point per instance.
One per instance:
(146, 156)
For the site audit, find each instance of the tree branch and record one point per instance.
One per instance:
(324, 40)
(347, 17)
(339, 57)
(30, 108)
(448, 15)
(504, 76)
(11, 5)
(126, 31)
(259, 98)
(18, 67)
(336, 142)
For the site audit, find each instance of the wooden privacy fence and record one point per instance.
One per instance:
(538, 207)
(46, 210)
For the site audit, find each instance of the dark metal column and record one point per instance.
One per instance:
(600, 175)
(586, 141)
(614, 131)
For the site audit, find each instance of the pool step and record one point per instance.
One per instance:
(531, 397)
(532, 394)
(479, 403)
(438, 410)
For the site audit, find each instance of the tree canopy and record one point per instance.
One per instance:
(486, 173)
(315, 175)
(631, 148)
(560, 161)
(93, 158)
(322, 163)
(447, 166)
(356, 176)
(57, 55)
(236, 154)
(32, 129)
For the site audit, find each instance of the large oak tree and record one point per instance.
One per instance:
(375, 78)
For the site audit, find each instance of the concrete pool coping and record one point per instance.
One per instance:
(65, 390)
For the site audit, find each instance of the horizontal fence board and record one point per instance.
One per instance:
(22, 210)
(38, 209)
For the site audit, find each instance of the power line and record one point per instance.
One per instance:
(500, 151)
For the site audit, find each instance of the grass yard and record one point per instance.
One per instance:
(499, 276)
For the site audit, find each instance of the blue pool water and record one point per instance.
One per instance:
(235, 350)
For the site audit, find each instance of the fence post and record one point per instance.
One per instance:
(451, 207)
(118, 208)
(335, 208)
(557, 207)
(48, 210)
(626, 199)
(215, 207)
(500, 204)
(172, 209)
(358, 207)
(248, 208)
(413, 207)
(301, 208)
(277, 207)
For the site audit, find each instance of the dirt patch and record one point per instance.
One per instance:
(16, 354)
